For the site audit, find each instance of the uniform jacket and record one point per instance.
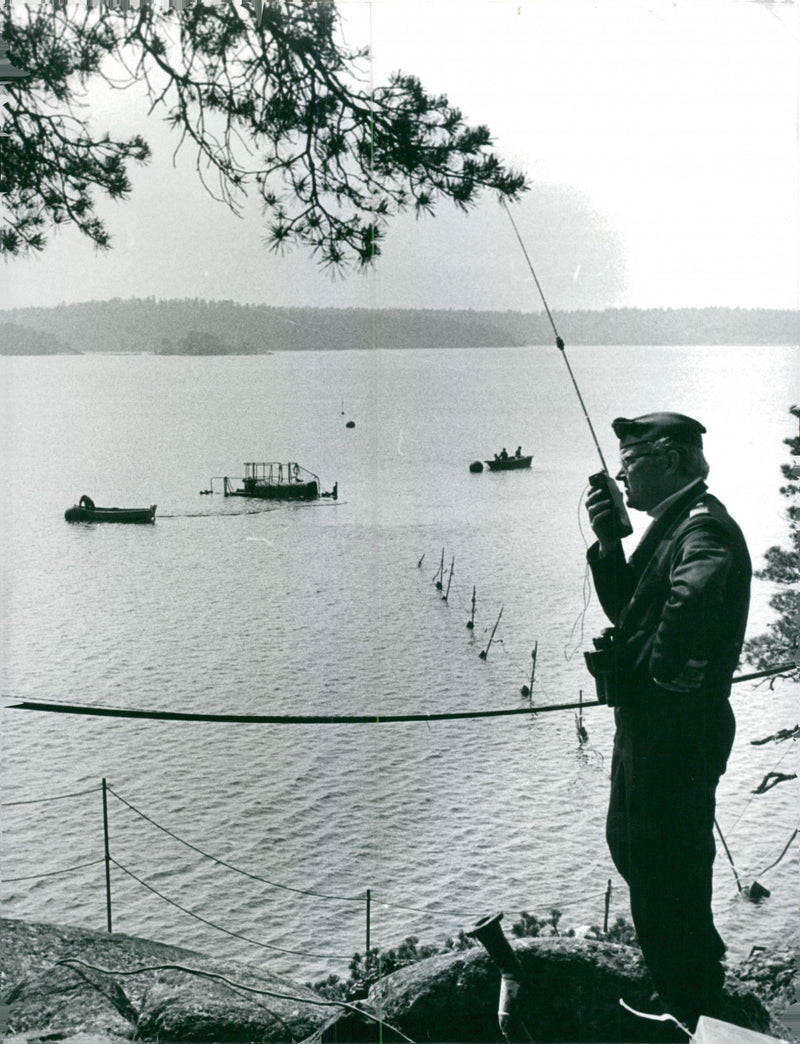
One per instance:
(682, 596)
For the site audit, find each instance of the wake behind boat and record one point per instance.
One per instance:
(87, 511)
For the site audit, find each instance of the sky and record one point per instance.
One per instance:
(660, 138)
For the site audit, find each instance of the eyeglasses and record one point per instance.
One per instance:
(627, 462)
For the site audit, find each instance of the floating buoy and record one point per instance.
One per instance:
(756, 892)
(476, 467)
(350, 424)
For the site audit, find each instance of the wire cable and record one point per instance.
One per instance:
(783, 853)
(219, 928)
(53, 873)
(753, 796)
(230, 866)
(68, 961)
(54, 797)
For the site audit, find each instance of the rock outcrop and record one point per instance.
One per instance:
(59, 981)
(63, 983)
(571, 992)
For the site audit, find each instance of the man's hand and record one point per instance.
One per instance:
(689, 679)
(603, 519)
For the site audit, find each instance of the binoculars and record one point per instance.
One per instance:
(605, 666)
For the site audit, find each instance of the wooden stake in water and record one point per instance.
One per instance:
(471, 621)
(527, 690)
(450, 578)
(440, 573)
(419, 564)
(107, 854)
(583, 735)
(485, 652)
(728, 854)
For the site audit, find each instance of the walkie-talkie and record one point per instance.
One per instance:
(602, 480)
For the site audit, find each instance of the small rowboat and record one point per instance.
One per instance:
(79, 513)
(509, 463)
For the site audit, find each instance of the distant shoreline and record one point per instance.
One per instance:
(211, 328)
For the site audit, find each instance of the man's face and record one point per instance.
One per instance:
(645, 474)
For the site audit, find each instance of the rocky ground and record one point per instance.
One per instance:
(68, 984)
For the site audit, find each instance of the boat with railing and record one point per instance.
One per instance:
(275, 480)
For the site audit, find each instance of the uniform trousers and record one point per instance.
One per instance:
(669, 753)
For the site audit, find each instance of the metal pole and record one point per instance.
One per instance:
(108, 856)
(369, 901)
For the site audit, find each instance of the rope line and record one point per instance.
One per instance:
(230, 866)
(54, 706)
(319, 895)
(271, 719)
(753, 796)
(750, 872)
(460, 914)
(227, 931)
(571, 646)
(361, 898)
(54, 797)
(53, 873)
(783, 853)
(67, 961)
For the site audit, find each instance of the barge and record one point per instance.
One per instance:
(275, 480)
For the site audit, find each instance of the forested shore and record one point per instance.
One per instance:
(201, 327)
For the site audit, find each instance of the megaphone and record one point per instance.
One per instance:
(488, 932)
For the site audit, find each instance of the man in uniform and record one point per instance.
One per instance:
(679, 608)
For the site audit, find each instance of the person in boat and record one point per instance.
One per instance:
(86, 502)
(679, 608)
(518, 454)
(503, 454)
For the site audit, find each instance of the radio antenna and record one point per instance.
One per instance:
(559, 341)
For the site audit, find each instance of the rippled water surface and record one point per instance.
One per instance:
(331, 609)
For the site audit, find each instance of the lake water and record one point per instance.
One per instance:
(331, 608)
